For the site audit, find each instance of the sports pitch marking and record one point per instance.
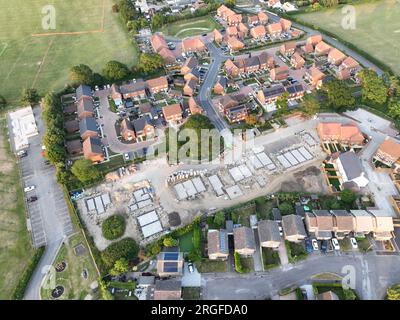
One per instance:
(5, 46)
(101, 30)
(42, 63)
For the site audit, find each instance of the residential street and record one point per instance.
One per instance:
(373, 274)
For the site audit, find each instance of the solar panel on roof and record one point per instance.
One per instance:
(171, 256)
(222, 242)
(170, 267)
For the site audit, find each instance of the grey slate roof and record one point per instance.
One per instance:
(87, 124)
(83, 91)
(293, 225)
(268, 230)
(351, 164)
(168, 285)
(244, 238)
(139, 124)
(140, 85)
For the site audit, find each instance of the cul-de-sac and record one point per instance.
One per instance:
(200, 150)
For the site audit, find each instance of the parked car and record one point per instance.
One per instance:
(29, 188)
(315, 244)
(46, 162)
(335, 244)
(353, 242)
(324, 246)
(32, 199)
(308, 244)
(22, 153)
(127, 157)
(191, 267)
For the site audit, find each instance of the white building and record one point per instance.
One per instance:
(350, 169)
(23, 127)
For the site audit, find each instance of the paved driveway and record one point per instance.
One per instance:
(190, 279)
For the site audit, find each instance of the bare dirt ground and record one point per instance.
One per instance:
(308, 180)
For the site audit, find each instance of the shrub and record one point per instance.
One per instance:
(113, 227)
(126, 248)
(238, 264)
(19, 291)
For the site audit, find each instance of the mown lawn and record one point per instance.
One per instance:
(76, 286)
(377, 29)
(44, 61)
(15, 241)
(190, 27)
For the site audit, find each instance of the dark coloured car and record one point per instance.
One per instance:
(32, 199)
(324, 246)
(309, 247)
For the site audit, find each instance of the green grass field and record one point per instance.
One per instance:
(191, 27)
(377, 29)
(44, 61)
(15, 243)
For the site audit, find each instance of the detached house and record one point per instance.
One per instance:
(190, 87)
(336, 57)
(279, 73)
(288, 48)
(234, 44)
(244, 241)
(268, 233)
(116, 95)
(314, 40)
(191, 45)
(170, 289)
(314, 76)
(322, 48)
(134, 90)
(217, 36)
(293, 228)
(351, 172)
(218, 248)
(143, 128)
(194, 106)
(388, 153)
(297, 61)
(258, 32)
(221, 85)
(170, 264)
(286, 24)
(172, 113)
(160, 46)
(127, 131)
(157, 85)
(274, 29)
(262, 18)
(350, 64)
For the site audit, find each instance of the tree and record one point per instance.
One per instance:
(373, 87)
(393, 293)
(286, 208)
(120, 266)
(104, 293)
(115, 71)
(310, 104)
(157, 21)
(348, 198)
(113, 227)
(3, 102)
(219, 219)
(338, 94)
(81, 74)
(230, 3)
(126, 248)
(170, 242)
(251, 120)
(85, 171)
(349, 294)
(150, 62)
(394, 108)
(282, 104)
(29, 96)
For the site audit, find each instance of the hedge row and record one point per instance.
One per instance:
(20, 289)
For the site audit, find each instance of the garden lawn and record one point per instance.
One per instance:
(191, 27)
(377, 30)
(270, 258)
(76, 286)
(44, 61)
(211, 266)
(16, 251)
(186, 242)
